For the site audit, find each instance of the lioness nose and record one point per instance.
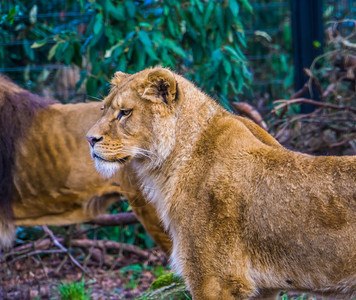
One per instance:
(93, 140)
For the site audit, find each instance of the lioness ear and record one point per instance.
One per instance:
(118, 77)
(159, 86)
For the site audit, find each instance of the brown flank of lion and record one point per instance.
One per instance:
(247, 216)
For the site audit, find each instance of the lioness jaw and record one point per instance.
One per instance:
(247, 216)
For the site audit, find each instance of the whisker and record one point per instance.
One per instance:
(129, 149)
(95, 98)
(141, 151)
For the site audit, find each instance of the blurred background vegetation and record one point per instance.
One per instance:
(70, 49)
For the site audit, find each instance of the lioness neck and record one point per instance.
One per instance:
(194, 113)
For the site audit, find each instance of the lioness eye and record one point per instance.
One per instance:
(124, 113)
(102, 108)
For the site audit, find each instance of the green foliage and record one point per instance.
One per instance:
(133, 272)
(269, 43)
(131, 234)
(203, 39)
(285, 296)
(168, 286)
(74, 291)
(166, 280)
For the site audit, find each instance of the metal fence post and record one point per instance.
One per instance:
(308, 38)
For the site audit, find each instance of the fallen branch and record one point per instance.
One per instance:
(251, 112)
(104, 244)
(309, 101)
(40, 244)
(120, 219)
(101, 258)
(35, 253)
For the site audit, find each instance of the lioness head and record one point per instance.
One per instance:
(138, 120)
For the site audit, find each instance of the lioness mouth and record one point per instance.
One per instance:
(120, 160)
(123, 160)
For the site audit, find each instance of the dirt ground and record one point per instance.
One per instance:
(38, 276)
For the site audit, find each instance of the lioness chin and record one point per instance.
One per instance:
(247, 216)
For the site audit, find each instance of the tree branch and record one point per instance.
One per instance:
(104, 244)
(120, 219)
(309, 101)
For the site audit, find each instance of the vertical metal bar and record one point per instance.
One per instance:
(308, 38)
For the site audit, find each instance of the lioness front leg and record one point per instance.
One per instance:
(214, 288)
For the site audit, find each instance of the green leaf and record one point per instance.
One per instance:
(144, 38)
(197, 52)
(109, 52)
(232, 52)
(117, 12)
(151, 53)
(130, 8)
(143, 24)
(98, 23)
(200, 6)
(263, 34)
(171, 28)
(247, 5)
(219, 17)
(208, 12)
(68, 54)
(52, 51)
(246, 73)
(165, 10)
(77, 56)
(139, 56)
(29, 51)
(39, 44)
(227, 67)
(316, 44)
(33, 14)
(122, 65)
(234, 7)
(91, 86)
(59, 50)
(175, 48)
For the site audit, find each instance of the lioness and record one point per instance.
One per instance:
(46, 173)
(247, 216)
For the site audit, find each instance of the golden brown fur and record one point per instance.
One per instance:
(247, 216)
(53, 177)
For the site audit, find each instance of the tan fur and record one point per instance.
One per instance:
(55, 179)
(247, 216)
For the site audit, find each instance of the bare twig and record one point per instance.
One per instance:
(345, 141)
(64, 249)
(35, 253)
(309, 101)
(40, 244)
